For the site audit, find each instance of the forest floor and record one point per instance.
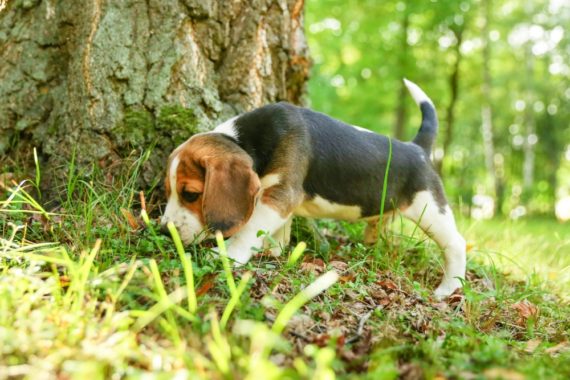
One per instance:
(90, 290)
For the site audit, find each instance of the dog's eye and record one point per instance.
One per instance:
(189, 196)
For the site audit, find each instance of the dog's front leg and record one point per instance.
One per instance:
(280, 239)
(243, 244)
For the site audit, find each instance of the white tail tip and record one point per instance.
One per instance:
(417, 93)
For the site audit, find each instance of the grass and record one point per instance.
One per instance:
(526, 248)
(90, 290)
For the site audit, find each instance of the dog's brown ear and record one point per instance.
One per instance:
(230, 193)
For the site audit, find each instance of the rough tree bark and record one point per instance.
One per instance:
(100, 79)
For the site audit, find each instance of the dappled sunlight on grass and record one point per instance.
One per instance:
(528, 247)
(91, 289)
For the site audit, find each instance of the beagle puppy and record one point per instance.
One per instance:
(257, 170)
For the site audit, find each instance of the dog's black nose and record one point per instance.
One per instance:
(164, 230)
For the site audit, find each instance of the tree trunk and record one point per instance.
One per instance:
(530, 138)
(495, 172)
(551, 139)
(399, 126)
(454, 89)
(100, 79)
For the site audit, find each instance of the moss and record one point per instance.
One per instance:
(175, 117)
(139, 127)
(136, 128)
(179, 122)
(28, 4)
(4, 142)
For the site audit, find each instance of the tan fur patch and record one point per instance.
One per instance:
(223, 174)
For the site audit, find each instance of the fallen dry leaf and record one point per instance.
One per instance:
(64, 281)
(207, 285)
(455, 299)
(6, 179)
(503, 374)
(387, 284)
(560, 347)
(41, 219)
(532, 344)
(467, 375)
(526, 310)
(352, 294)
(355, 356)
(384, 302)
(131, 220)
(323, 340)
(442, 306)
(411, 371)
(345, 279)
(324, 316)
(316, 266)
(300, 324)
(339, 265)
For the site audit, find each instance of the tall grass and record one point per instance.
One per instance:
(92, 291)
(47, 289)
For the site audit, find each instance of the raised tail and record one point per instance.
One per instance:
(428, 130)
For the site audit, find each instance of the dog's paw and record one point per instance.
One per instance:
(275, 251)
(446, 288)
(240, 254)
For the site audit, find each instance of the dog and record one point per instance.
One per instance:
(257, 170)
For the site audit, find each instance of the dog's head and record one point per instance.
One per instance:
(210, 185)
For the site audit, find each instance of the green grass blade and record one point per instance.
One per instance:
(384, 192)
(128, 277)
(147, 316)
(187, 266)
(314, 289)
(83, 276)
(226, 262)
(234, 299)
(297, 252)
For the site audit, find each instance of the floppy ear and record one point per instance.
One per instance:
(230, 192)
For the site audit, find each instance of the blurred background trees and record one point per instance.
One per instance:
(497, 70)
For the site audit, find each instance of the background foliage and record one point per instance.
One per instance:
(363, 48)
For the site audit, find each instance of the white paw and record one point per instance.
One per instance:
(275, 251)
(240, 254)
(446, 288)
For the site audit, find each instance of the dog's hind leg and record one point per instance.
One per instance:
(372, 228)
(371, 231)
(438, 222)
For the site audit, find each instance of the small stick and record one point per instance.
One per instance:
(360, 328)
(143, 201)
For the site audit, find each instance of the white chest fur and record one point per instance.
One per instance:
(319, 207)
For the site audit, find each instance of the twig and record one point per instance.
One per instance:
(300, 336)
(360, 329)
(290, 331)
(143, 200)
